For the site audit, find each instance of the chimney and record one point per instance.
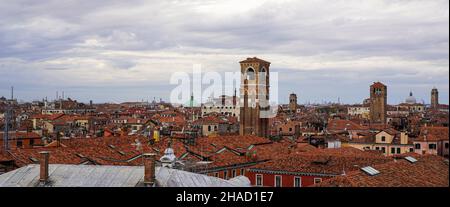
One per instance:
(223, 100)
(43, 176)
(149, 169)
(403, 138)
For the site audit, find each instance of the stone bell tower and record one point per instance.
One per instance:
(254, 97)
(434, 98)
(378, 103)
(293, 102)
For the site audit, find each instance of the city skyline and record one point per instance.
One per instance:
(282, 100)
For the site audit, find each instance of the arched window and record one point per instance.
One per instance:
(250, 74)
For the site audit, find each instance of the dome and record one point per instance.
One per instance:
(411, 99)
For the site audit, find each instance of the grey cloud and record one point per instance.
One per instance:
(322, 43)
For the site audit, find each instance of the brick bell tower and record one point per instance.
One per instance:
(378, 103)
(254, 97)
(434, 98)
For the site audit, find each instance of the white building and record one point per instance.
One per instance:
(225, 105)
(359, 110)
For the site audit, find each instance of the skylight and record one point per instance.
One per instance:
(411, 159)
(370, 171)
(34, 159)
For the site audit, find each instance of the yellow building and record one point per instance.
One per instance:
(388, 141)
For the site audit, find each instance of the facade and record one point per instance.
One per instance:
(254, 97)
(68, 106)
(378, 103)
(432, 140)
(224, 105)
(388, 141)
(362, 111)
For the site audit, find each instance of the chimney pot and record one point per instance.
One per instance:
(149, 169)
(43, 176)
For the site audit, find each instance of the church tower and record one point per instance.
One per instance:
(293, 102)
(378, 103)
(434, 98)
(254, 97)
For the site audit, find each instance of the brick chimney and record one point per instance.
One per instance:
(43, 175)
(149, 169)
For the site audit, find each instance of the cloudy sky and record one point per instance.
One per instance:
(115, 50)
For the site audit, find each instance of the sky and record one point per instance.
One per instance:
(115, 50)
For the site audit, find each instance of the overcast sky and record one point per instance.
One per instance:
(115, 50)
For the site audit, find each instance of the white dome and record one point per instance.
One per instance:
(411, 99)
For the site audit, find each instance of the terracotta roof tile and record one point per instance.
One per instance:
(428, 171)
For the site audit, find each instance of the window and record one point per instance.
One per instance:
(411, 149)
(398, 150)
(432, 146)
(278, 181)
(233, 173)
(216, 174)
(242, 172)
(31, 142)
(383, 138)
(259, 180)
(297, 181)
(225, 175)
(383, 149)
(209, 128)
(377, 148)
(446, 145)
(281, 129)
(290, 129)
(393, 150)
(417, 146)
(317, 180)
(250, 74)
(19, 143)
(215, 128)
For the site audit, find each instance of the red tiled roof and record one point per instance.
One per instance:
(253, 59)
(428, 171)
(378, 84)
(5, 157)
(339, 124)
(322, 161)
(22, 135)
(433, 134)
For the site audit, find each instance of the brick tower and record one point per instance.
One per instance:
(434, 98)
(254, 98)
(293, 102)
(378, 103)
